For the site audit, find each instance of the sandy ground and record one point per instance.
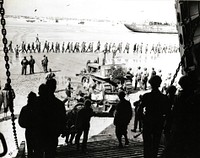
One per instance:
(67, 65)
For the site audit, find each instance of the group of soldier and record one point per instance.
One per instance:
(45, 119)
(76, 47)
(173, 115)
(31, 62)
(141, 76)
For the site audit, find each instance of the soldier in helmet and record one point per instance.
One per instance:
(98, 47)
(31, 64)
(63, 47)
(156, 107)
(184, 141)
(122, 118)
(68, 47)
(24, 64)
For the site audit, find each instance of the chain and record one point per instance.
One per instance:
(177, 70)
(7, 66)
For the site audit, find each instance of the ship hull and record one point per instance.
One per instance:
(152, 29)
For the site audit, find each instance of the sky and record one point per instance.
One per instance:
(127, 10)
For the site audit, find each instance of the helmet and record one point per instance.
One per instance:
(121, 94)
(184, 81)
(155, 81)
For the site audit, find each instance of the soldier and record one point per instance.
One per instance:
(70, 123)
(50, 75)
(156, 107)
(135, 48)
(51, 122)
(98, 47)
(83, 124)
(33, 47)
(31, 64)
(10, 47)
(138, 115)
(83, 47)
(45, 46)
(48, 47)
(56, 47)
(52, 47)
(105, 47)
(160, 73)
(122, 118)
(23, 47)
(171, 94)
(164, 49)
(126, 49)
(71, 48)
(184, 141)
(8, 96)
(28, 48)
(37, 39)
(146, 48)
(77, 47)
(153, 72)
(45, 63)
(24, 64)
(153, 49)
(63, 47)
(141, 48)
(129, 75)
(17, 51)
(68, 91)
(26, 120)
(110, 47)
(138, 77)
(145, 76)
(39, 47)
(119, 47)
(90, 48)
(68, 47)
(114, 49)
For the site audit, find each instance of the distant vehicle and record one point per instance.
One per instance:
(81, 22)
(153, 27)
(30, 20)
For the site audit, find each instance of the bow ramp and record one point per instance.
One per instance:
(106, 149)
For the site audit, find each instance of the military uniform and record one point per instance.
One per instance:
(24, 64)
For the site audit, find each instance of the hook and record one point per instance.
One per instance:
(3, 141)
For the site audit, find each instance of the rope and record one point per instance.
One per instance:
(7, 66)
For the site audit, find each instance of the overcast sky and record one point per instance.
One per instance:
(128, 10)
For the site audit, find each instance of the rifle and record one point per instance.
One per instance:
(60, 90)
(137, 135)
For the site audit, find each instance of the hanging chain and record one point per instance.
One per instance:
(7, 66)
(177, 70)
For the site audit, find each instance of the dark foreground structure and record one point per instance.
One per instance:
(98, 149)
(185, 139)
